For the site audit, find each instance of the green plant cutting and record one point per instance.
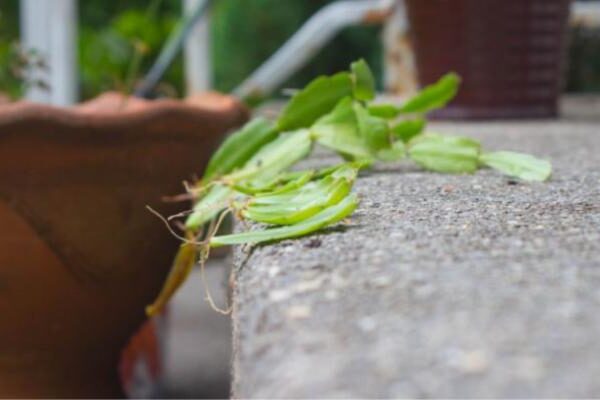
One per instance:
(251, 175)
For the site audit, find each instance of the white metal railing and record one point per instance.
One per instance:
(50, 28)
(196, 55)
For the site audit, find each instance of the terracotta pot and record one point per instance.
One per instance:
(80, 256)
(509, 53)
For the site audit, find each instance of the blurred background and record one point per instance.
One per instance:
(114, 43)
(109, 33)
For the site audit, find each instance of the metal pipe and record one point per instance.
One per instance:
(170, 50)
(309, 39)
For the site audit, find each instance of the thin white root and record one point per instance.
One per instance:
(204, 256)
(175, 234)
(209, 298)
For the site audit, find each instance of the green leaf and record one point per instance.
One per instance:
(386, 111)
(294, 206)
(394, 153)
(294, 197)
(240, 146)
(280, 181)
(433, 96)
(274, 157)
(209, 206)
(373, 130)
(364, 83)
(348, 171)
(314, 101)
(518, 165)
(447, 154)
(318, 221)
(295, 183)
(406, 130)
(338, 131)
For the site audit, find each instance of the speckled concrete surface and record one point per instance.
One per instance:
(439, 286)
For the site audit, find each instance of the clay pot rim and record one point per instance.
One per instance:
(98, 118)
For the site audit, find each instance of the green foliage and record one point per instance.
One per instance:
(434, 96)
(317, 99)
(328, 216)
(408, 129)
(280, 154)
(240, 146)
(273, 158)
(364, 83)
(330, 111)
(339, 131)
(387, 111)
(397, 151)
(289, 207)
(213, 201)
(518, 165)
(446, 154)
(11, 68)
(12, 64)
(373, 130)
(106, 52)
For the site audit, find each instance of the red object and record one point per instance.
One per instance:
(141, 362)
(509, 53)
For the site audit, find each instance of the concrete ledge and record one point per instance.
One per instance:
(440, 286)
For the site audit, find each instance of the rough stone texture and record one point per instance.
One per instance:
(440, 285)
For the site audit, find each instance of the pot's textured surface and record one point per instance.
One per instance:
(80, 256)
(509, 53)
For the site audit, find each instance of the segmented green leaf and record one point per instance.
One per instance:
(294, 183)
(280, 180)
(348, 171)
(293, 197)
(373, 130)
(406, 130)
(433, 96)
(274, 157)
(364, 83)
(240, 146)
(318, 221)
(314, 101)
(386, 111)
(447, 154)
(338, 131)
(518, 165)
(448, 139)
(394, 153)
(209, 206)
(305, 202)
